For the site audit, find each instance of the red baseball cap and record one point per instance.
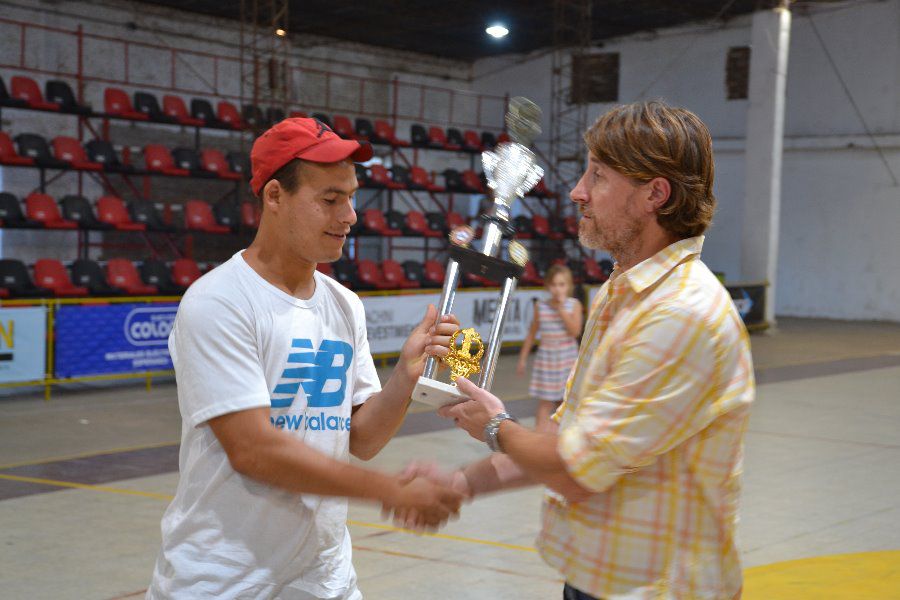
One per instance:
(309, 139)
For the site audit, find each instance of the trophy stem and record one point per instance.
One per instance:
(451, 282)
(493, 349)
(493, 236)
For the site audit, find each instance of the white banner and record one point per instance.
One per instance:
(23, 343)
(389, 319)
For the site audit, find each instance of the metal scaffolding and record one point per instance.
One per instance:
(571, 40)
(265, 51)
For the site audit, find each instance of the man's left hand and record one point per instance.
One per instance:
(428, 338)
(473, 415)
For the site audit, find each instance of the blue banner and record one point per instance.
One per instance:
(115, 338)
(23, 343)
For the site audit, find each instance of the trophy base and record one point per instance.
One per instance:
(436, 393)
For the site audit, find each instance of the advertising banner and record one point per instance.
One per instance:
(389, 319)
(23, 343)
(115, 338)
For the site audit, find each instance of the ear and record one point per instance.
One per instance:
(271, 195)
(659, 190)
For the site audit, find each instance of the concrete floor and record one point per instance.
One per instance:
(822, 478)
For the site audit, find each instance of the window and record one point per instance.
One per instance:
(737, 73)
(595, 78)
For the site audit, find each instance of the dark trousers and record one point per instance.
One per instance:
(570, 593)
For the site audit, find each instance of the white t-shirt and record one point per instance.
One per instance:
(240, 343)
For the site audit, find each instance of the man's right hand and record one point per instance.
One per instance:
(432, 503)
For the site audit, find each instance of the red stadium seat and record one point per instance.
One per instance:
(295, 114)
(116, 102)
(250, 215)
(395, 277)
(228, 113)
(472, 141)
(503, 138)
(385, 134)
(374, 223)
(437, 138)
(325, 269)
(214, 161)
(175, 107)
(379, 176)
(593, 272)
(530, 276)
(418, 225)
(472, 181)
(421, 180)
(185, 272)
(157, 158)
(540, 226)
(454, 219)
(111, 210)
(25, 88)
(51, 274)
(198, 216)
(42, 208)
(8, 154)
(342, 126)
(70, 150)
(123, 275)
(370, 275)
(434, 273)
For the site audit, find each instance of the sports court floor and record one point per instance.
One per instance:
(85, 477)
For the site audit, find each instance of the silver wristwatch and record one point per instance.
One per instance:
(493, 427)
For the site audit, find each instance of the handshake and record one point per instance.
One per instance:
(425, 497)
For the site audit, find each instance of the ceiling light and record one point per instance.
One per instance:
(280, 32)
(498, 31)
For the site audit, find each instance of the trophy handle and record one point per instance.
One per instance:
(451, 282)
(493, 346)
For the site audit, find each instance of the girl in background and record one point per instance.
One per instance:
(557, 322)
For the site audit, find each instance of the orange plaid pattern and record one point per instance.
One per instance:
(653, 421)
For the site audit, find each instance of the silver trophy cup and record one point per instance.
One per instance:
(511, 172)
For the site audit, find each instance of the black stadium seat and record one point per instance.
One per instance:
(78, 209)
(345, 272)
(187, 158)
(59, 92)
(364, 129)
(488, 140)
(453, 181)
(203, 110)
(148, 104)
(143, 211)
(7, 100)
(156, 273)
(322, 117)
(418, 135)
(238, 162)
(87, 273)
(455, 138)
(11, 214)
(15, 278)
(227, 213)
(36, 147)
(253, 116)
(415, 271)
(103, 152)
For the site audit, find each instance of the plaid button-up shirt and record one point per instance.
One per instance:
(653, 422)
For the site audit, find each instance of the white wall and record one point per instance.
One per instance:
(839, 252)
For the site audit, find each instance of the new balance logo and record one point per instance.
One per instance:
(321, 374)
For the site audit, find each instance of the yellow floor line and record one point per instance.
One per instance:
(43, 461)
(86, 486)
(443, 536)
(169, 497)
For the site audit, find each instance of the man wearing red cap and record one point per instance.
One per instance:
(272, 362)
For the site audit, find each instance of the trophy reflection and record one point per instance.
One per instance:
(511, 171)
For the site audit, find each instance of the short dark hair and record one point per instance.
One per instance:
(288, 176)
(644, 140)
